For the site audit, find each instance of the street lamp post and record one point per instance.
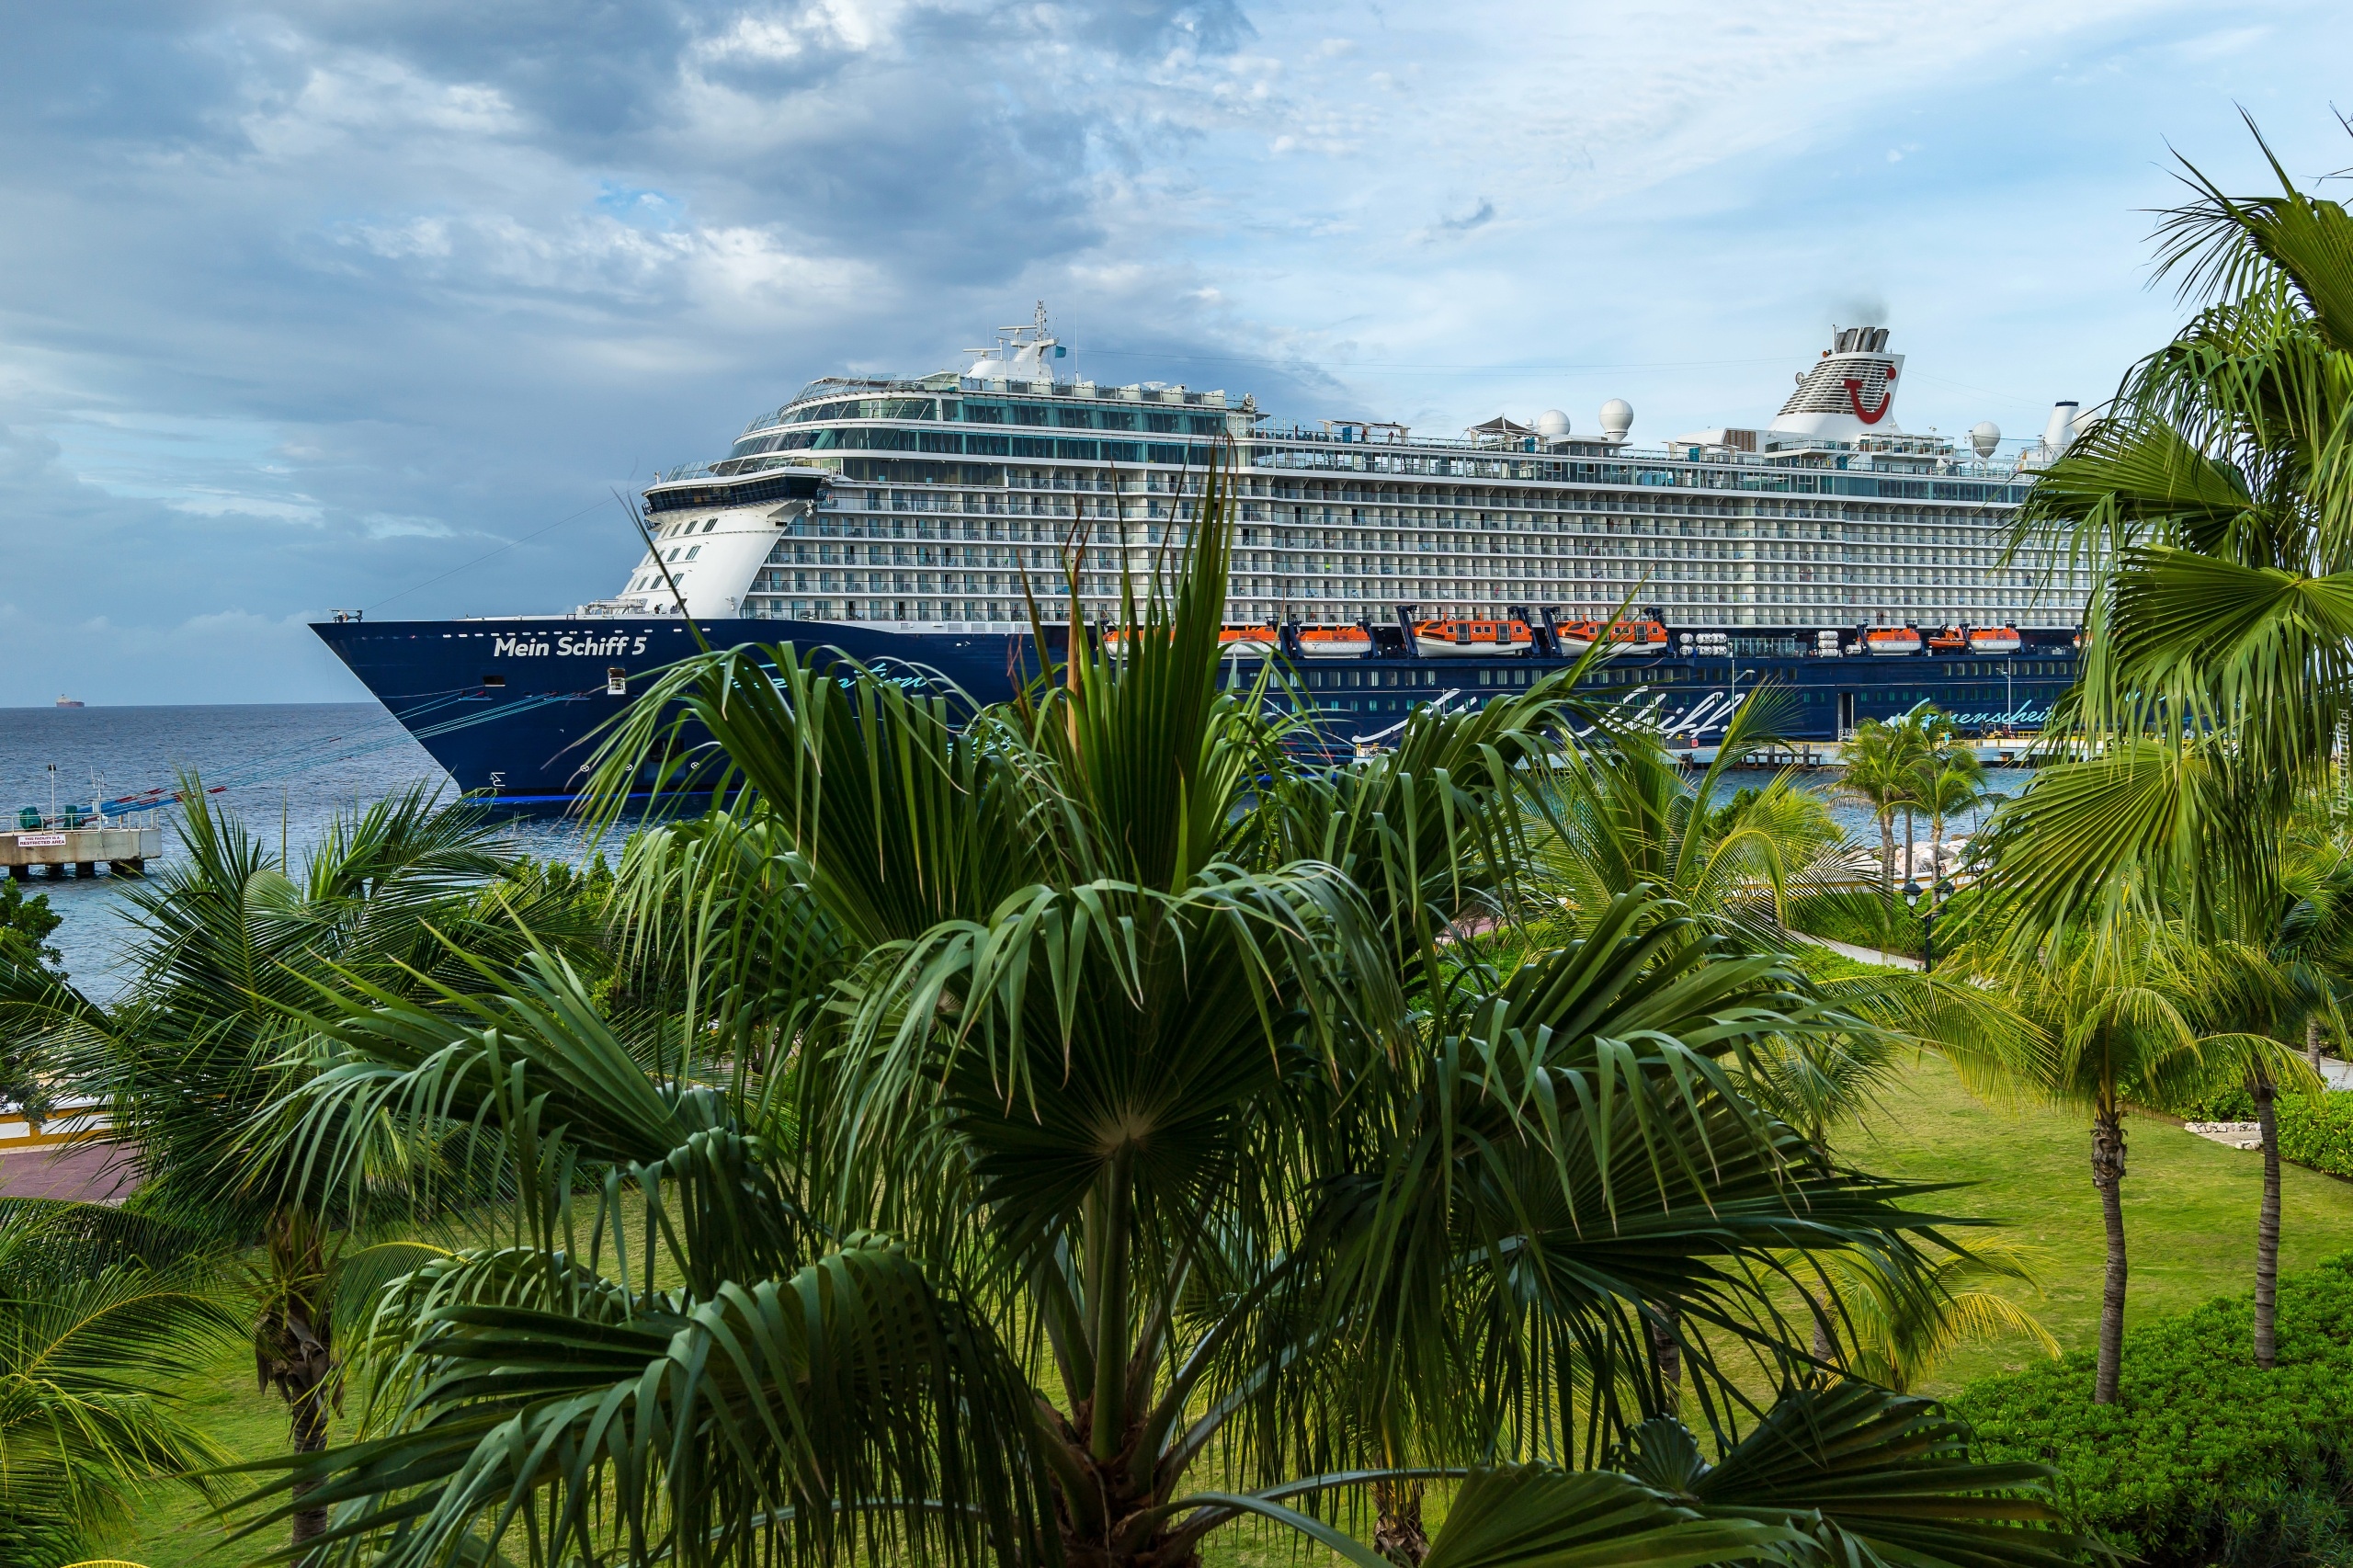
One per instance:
(1937, 891)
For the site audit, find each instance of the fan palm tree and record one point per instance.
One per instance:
(2213, 506)
(1079, 1128)
(229, 947)
(99, 1313)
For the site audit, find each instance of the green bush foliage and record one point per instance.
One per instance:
(2317, 1130)
(25, 926)
(2234, 1104)
(26, 964)
(2206, 1458)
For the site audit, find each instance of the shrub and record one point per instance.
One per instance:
(2317, 1130)
(2232, 1104)
(2204, 1457)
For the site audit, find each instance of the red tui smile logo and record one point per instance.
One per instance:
(1855, 399)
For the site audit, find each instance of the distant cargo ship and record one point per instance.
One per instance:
(1829, 552)
(65, 702)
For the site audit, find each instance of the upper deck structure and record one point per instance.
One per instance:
(923, 502)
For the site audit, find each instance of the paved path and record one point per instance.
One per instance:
(1863, 955)
(88, 1173)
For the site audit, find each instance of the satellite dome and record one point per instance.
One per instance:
(1617, 418)
(1553, 423)
(1983, 436)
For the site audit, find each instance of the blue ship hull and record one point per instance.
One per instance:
(510, 706)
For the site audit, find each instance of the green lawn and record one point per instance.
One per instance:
(175, 1528)
(2188, 1210)
(2190, 1206)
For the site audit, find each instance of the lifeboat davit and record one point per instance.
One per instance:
(1334, 642)
(1994, 640)
(1638, 636)
(1472, 639)
(1889, 642)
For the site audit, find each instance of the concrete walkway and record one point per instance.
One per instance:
(1862, 955)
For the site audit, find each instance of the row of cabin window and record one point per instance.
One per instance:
(1064, 417)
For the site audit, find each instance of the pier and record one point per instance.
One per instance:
(79, 851)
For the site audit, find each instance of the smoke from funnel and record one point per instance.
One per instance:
(1860, 310)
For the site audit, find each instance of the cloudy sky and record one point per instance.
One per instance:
(373, 302)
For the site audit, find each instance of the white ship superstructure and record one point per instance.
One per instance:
(921, 504)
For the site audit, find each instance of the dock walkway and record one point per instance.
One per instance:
(78, 850)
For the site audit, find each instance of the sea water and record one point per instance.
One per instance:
(287, 769)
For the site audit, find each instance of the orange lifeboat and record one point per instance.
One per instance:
(1473, 639)
(1889, 641)
(1951, 640)
(1334, 642)
(1232, 641)
(1994, 640)
(1247, 641)
(1638, 636)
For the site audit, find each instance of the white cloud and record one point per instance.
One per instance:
(335, 293)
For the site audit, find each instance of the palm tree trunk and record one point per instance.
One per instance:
(2266, 1225)
(2312, 1039)
(1398, 1534)
(1887, 867)
(308, 1420)
(1666, 1356)
(2108, 1175)
(294, 1342)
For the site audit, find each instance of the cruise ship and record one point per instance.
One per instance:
(1826, 554)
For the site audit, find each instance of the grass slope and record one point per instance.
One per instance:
(2190, 1206)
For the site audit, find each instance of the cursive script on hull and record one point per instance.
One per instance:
(565, 644)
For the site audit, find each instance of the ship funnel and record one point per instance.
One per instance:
(2062, 428)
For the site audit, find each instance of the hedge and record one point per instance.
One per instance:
(2204, 1458)
(2317, 1130)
